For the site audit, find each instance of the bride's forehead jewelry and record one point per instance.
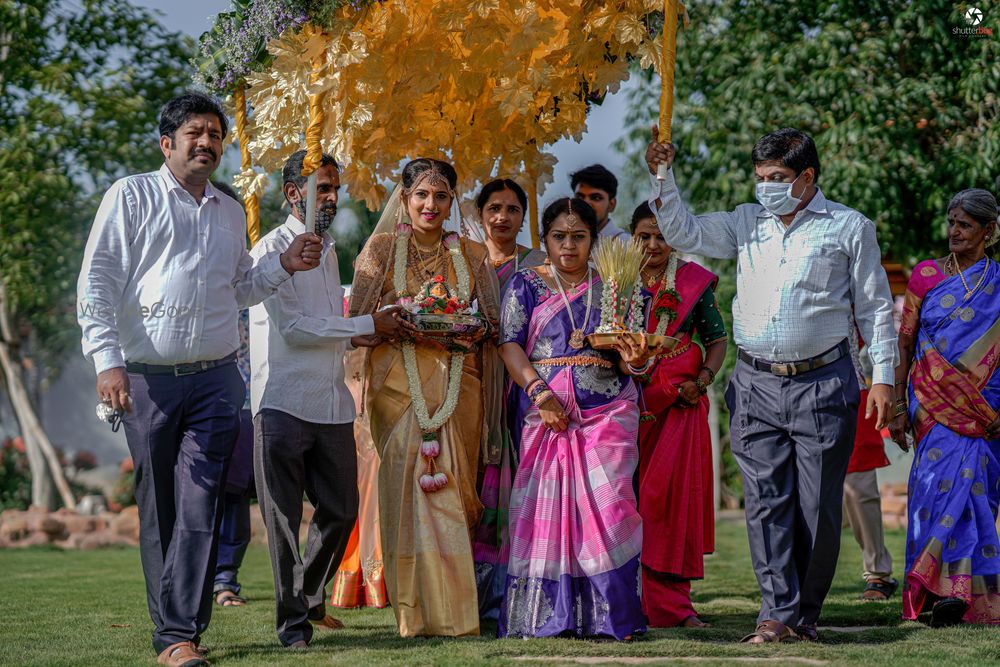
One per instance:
(432, 176)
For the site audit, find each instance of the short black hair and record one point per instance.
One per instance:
(787, 147)
(596, 176)
(227, 189)
(292, 171)
(177, 111)
(413, 169)
(499, 185)
(641, 212)
(580, 208)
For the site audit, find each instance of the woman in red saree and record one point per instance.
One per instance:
(675, 446)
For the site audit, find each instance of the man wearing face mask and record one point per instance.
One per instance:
(303, 411)
(803, 262)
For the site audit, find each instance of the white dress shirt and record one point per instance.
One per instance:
(796, 287)
(164, 276)
(611, 230)
(298, 337)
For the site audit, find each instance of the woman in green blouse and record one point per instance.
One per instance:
(675, 446)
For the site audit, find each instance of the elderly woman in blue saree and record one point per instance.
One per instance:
(949, 343)
(575, 531)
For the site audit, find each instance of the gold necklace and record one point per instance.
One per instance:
(557, 274)
(650, 280)
(497, 263)
(426, 248)
(982, 276)
(435, 259)
(576, 338)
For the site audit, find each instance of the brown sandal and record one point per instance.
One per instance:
(878, 590)
(771, 632)
(181, 654)
(327, 623)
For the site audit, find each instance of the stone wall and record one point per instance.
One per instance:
(69, 530)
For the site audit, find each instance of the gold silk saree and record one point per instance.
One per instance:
(427, 537)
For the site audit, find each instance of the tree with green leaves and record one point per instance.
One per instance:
(81, 86)
(902, 104)
(903, 108)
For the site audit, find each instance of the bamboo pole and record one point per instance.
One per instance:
(668, 62)
(250, 201)
(314, 143)
(533, 209)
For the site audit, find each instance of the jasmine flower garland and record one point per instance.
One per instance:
(607, 308)
(430, 447)
(636, 318)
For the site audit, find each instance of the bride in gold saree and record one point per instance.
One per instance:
(430, 451)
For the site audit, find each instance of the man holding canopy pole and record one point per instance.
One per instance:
(302, 410)
(803, 263)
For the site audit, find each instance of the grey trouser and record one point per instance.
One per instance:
(792, 438)
(863, 509)
(292, 456)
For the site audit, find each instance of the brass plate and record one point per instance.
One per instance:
(606, 341)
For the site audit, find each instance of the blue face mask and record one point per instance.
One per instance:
(777, 197)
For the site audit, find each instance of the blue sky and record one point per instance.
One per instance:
(604, 124)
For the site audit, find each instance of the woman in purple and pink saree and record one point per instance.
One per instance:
(574, 527)
(950, 349)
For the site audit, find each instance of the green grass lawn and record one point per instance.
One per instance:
(89, 608)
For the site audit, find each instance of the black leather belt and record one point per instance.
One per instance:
(790, 368)
(178, 369)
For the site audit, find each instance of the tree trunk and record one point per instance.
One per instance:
(36, 443)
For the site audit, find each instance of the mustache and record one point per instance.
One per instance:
(203, 151)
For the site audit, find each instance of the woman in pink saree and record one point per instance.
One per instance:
(574, 528)
(949, 343)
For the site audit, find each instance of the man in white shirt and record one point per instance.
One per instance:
(304, 413)
(806, 267)
(164, 274)
(598, 187)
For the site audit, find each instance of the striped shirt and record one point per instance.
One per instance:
(796, 286)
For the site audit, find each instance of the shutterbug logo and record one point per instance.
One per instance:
(973, 28)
